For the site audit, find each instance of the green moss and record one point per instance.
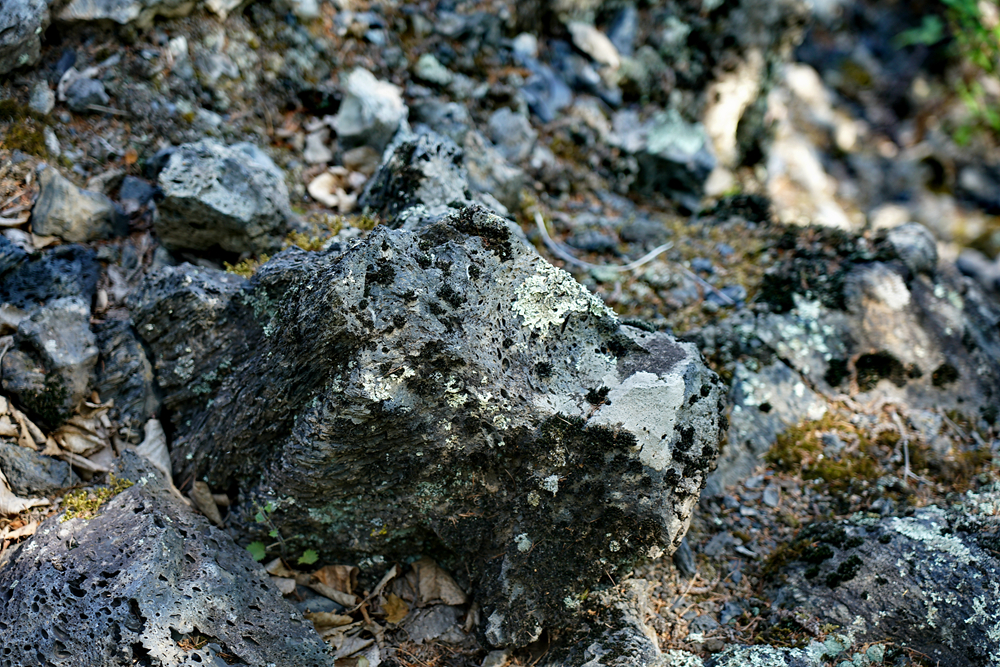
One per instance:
(25, 137)
(49, 405)
(246, 267)
(84, 503)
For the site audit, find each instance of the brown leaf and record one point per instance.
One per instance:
(278, 568)
(343, 578)
(328, 619)
(341, 598)
(395, 609)
(284, 584)
(435, 584)
(203, 500)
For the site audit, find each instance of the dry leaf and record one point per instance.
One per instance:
(3, 403)
(12, 504)
(23, 531)
(395, 609)
(7, 427)
(434, 584)
(341, 598)
(328, 619)
(352, 645)
(154, 448)
(51, 447)
(203, 500)
(24, 438)
(277, 568)
(82, 463)
(343, 578)
(285, 585)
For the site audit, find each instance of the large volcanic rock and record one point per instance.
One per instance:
(440, 389)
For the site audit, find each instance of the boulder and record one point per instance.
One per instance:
(371, 113)
(439, 389)
(59, 272)
(22, 23)
(50, 367)
(72, 213)
(217, 196)
(929, 582)
(32, 474)
(131, 583)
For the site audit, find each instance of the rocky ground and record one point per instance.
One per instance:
(288, 377)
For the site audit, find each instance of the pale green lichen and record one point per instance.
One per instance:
(932, 537)
(548, 297)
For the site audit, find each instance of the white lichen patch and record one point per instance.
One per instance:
(551, 484)
(646, 405)
(932, 537)
(523, 543)
(546, 298)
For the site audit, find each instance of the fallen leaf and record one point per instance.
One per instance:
(131, 156)
(352, 645)
(341, 598)
(328, 619)
(7, 428)
(23, 531)
(343, 578)
(51, 447)
(277, 568)
(203, 500)
(395, 609)
(82, 463)
(285, 585)
(154, 448)
(11, 503)
(434, 584)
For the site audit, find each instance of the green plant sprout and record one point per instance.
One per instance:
(258, 550)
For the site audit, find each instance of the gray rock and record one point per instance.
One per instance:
(512, 133)
(915, 246)
(134, 194)
(51, 365)
(978, 266)
(501, 403)
(140, 12)
(84, 92)
(125, 375)
(371, 113)
(927, 581)
(623, 30)
(72, 213)
(31, 474)
(448, 118)
(675, 158)
(489, 173)
(63, 271)
(42, 99)
(22, 23)
(233, 197)
(429, 69)
(130, 582)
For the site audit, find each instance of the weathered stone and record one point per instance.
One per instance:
(85, 92)
(674, 158)
(63, 271)
(42, 99)
(72, 213)
(22, 23)
(512, 133)
(371, 113)
(31, 473)
(929, 582)
(141, 12)
(490, 173)
(230, 197)
(130, 583)
(52, 362)
(124, 374)
(446, 388)
(429, 69)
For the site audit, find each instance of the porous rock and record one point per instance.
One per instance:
(229, 197)
(124, 374)
(22, 23)
(371, 113)
(445, 388)
(929, 582)
(63, 271)
(31, 473)
(51, 364)
(130, 583)
(72, 213)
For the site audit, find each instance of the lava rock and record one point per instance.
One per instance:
(50, 367)
(84, 92)
(371, 113)
(63, 271)
(448, 118)
(134, 194)
(915, 246)
(927, 581)
(31, 473)
(133, 580)
(490, 174)
(124, 374)
(512, 133)
(623, 30)
(545, 91)
(216, 196)
(72, 213)
(450, 387)
(978, 266)
(140, 12)
(22, 23)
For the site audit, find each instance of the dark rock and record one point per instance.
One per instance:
(591, 240)
(134, 194)
(22, 23)
(490, 174)
(926, 581)
(84, 92)
(228, 197)
(451, 388)
(545, 91)
(448, 118)
(124, 374)
(512, 134)
(32, 474)
(674, 158)
(977, 266)
(702, 265)
(11, 256)
(131, 582)
(684, 559)
(915, 246)
(63, 271)
(72, 213)
(623, 30)
(50, 367)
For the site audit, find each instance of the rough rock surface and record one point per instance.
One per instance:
(31, 473)
(84, 93)
(51, 365)
(130, 583)
(929, 582)
(444, 388)
(63, 271)
(230, 197)
(141, 12)
(21, 25)
(71, 213)
(124, 374)
(371, 112)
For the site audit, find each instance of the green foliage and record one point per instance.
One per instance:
(246, 267)
(308, 558)
(84, 503)
(257, 550)
(931, 31)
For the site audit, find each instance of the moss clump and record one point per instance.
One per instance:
(365, 222)
(246, 267)
(25, 137)
(84, 503)
(49, 404)
(846, 571)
